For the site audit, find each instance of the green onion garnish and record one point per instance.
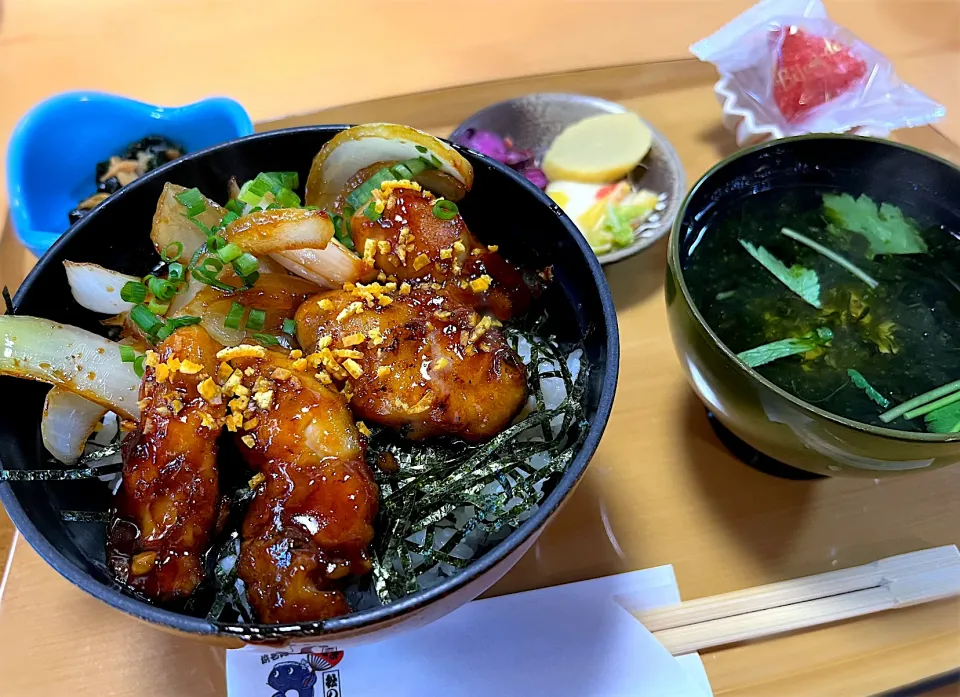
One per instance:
(215, 243)
(229, 252)
(183, 321)
(233, 318)
(138, 366)
(289, 326)
(193, 201)
(164, 331)
(228, 218)
(402, 171)
(210, 280)
(253, 191)
(266, 339)
(235, 207)
(445, 210)
(133, 292)
(210, 266)
(245, 265)
(162, 289)
(420, 148)
(348, 212)
(288, 180)
(146, 320)
(171, 252)
(158, 308)
(255, 319)
(370, 212)
(287, 199)
(176, 271)
(127, 354)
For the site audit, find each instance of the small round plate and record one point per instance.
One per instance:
(535, 120)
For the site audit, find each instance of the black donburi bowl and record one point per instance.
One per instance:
(503, 208)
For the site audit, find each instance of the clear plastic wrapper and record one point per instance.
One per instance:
(786, 69)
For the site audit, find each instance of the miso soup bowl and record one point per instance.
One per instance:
(763, 415)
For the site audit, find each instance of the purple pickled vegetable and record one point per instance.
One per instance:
(516, 158)
(486, 142)
(501, 149)
(536, 175)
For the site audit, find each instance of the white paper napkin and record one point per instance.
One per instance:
(574, 639)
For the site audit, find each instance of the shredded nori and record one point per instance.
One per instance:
(86, 516)
(434, 480)
(61, 475)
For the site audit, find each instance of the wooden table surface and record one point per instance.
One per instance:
(661, 489)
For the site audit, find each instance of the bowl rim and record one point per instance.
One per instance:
(675, 197)
(673, 260)
(361, 620)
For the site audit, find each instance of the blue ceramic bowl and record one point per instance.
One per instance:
(55, 148)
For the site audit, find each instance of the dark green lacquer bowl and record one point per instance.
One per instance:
(761, 414)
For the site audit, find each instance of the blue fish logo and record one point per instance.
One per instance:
(300, 677)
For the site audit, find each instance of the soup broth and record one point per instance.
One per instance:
(887, 328)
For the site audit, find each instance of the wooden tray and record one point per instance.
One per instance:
(661, 489)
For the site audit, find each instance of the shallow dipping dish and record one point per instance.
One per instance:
(503, 208)
(534, 121)
(765, 416)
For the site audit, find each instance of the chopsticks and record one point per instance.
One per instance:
(900, 581)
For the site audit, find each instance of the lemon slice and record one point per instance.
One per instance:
(598, 149)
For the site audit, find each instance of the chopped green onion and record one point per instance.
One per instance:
(414, 166)
(162, 289)
(133, 292)
(420, 148)
(229, 252)
(158, 308)
(211, 266)
(445, 210)
(127, 354)
(831, 255)
(193, 201)
(288, 180)
(228, 218)
(245, 264)
(402, 171)
(203, 228)
(255, 319)
(435, 161)
(215, 243)
(138, 366)
(176, 271)
(164, 331)
(266, 339)
(234, 206)
(210, 280)
(250, 280)
(233, 318)
(919, 401)
(287, 199)
(370, 212)
(146, 320)
(348, 212)
(183, 321)
(289, 326)
(253, 191)
(168, 256)
(362, 193)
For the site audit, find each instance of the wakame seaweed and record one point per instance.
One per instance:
(889, 292)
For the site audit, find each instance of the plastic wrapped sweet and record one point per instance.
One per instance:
(786, 69)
